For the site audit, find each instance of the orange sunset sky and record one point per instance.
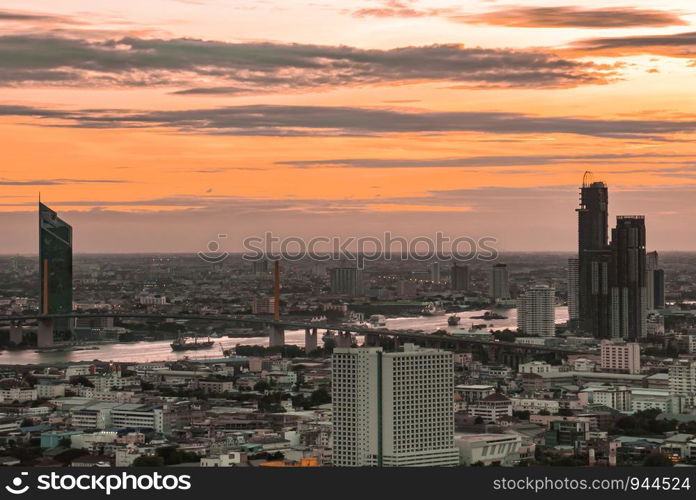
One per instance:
(156, 125)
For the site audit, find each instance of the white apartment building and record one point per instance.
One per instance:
(50, 391)
(393, 408)
(682, 378)
(617, 397)
(491, 408)
(649, 398)
(536, 367)
(618, 356)
(584, 365)
(535, 405)
(488, 448)
(230, 459)
(536, 311)
(139, 416)
(19, 394)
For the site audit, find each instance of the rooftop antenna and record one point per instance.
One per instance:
(587, 179)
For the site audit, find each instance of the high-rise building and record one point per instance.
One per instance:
(536, 311)
(347, 281)
(628, 290)
(619, 356)
(659, 289)
(573, 290)
(654, 282)
(594, 258)
(55, 267)
(498, 286)
(459, 279)
(393, 408)
(435, 272)
(651, 265)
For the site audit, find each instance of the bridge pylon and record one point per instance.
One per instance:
(16, 333)
(44, 333)
(310, 340)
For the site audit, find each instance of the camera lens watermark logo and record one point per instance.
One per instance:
(16, 487)
(213, 255)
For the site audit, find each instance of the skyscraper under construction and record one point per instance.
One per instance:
(594, 258)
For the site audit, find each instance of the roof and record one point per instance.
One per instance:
(495, 397)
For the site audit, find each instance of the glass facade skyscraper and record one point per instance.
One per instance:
(55, 266)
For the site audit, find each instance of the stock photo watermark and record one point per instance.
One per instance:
(357, 249)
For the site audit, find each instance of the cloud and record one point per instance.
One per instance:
(402, 9)
(58, 182)
(478, 161)
(573, 17)
(233, 68)
(33, 17)
(289, 121)
(674, 45)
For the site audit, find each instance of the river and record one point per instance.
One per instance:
(161, 350)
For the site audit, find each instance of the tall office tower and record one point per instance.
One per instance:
(628, 294)
(651, 265)
(654, 282)
(435, 272)
(498, 286)
(347, 281)
(55, 267)
(459, 279)
(536, 312)
(659, 288)
(594, 258)
(573, 290)
(393, 408)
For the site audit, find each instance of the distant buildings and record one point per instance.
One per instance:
(263, 305)
(620, 357)
(435, 272)
(347, 281)
(499, 286)
(393, 408)
(536, 311)
(459, 279)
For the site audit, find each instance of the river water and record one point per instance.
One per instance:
(161, 350)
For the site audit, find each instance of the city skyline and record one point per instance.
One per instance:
(156, 129)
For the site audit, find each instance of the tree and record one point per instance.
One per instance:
(657, 460)
(261, 386)
(67, 456)
(320, 397)
(148, 461)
